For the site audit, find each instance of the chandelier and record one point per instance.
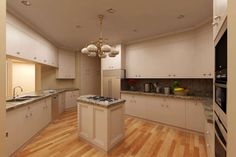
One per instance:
(100, 48)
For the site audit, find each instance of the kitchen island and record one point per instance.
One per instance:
(101, 121)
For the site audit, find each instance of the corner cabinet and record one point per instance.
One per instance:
(66, 65)
(23, 44)
(27, 121)
(110, 63)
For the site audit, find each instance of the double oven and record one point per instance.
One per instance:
(220, 108)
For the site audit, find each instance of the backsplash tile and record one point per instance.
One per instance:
(198, 87)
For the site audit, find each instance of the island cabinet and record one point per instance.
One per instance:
(102, 127)
(24, 122)
(187, 114)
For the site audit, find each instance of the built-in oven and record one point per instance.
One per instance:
(220, 137)
(221, 96)
(221, 59)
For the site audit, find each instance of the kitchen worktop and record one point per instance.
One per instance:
(207, 102)
(42, 95)
(169, 95)
(105, 104)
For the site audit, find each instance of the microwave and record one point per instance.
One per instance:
(221, 59)
(221, 96)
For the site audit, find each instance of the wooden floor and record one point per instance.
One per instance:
(142, 139)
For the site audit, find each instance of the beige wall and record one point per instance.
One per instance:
(231, 78)
(49, 81)
(90, 75)
(23, 74)
(2, 77)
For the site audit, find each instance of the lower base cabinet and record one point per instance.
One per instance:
(70, 99)
(187, 114)
(24, 122)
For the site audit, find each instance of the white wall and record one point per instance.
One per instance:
(231, 145)
(2, 77)
(23, 74)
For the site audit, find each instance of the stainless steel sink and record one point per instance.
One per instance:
(17, 100)
(30, 96)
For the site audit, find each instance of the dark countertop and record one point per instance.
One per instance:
(99, 103)
(207, 102)
(42, 95)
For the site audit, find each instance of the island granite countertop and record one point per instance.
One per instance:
(104, 104)
(42, 95)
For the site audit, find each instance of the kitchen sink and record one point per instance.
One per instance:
(17, 100)
(30, 96)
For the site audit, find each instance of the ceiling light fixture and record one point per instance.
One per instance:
(99, 47)
(26, 3)
(180, 17)
(111, 10)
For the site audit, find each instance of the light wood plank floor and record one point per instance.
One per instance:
(142, 139)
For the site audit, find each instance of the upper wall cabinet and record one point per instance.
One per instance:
(184, 55)
(66, 65)
(110, 63)
(24, 43)
(219, 15)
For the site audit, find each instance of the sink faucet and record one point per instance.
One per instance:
(14, 91)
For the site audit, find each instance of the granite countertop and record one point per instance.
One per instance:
(105, 104)
(206, 101)
(42, 95)
(169, 95)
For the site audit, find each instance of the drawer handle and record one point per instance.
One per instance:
(217, 17)
(215, 24)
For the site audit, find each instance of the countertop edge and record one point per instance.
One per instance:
(27, 102)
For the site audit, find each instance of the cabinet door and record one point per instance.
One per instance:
(195, 116)
(69, 99)
(109, 63)
(61, 102)
(15, 122)
(175, 112)
(155, 109)
(128, 103)
(66, 65)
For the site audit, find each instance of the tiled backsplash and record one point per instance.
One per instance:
(198, 87)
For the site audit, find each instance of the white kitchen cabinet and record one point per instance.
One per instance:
(185, 55)
(66, 65)
(24, 122)
(71, 99)
(219, 15)
(102, 127)
(61, 102)
(195, 118)
(111, 63)
(24, 43)
(182, 113)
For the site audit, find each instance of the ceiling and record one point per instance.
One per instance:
(133, 19)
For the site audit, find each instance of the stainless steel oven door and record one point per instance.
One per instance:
(220, 96)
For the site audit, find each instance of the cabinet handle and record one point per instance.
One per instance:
(209, 74)
(169, 75)
(26, 116)
(18, 53)
(167, 106)
(217, 17)
(204, 74)
(35, 58)
(174, 75)
(6, 134)
(45, 61)
(215, 24)
(31, 114)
